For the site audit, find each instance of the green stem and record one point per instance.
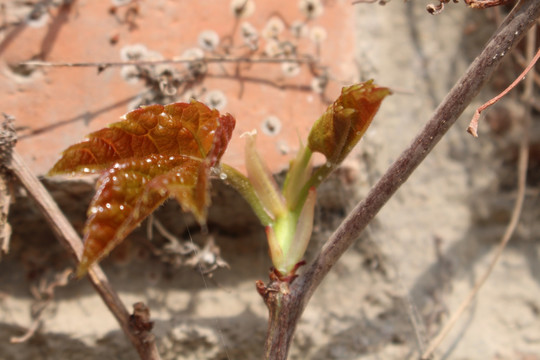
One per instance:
(241, 184)
(296, 177)
(285, 229)
(315, 180)
(320, 175)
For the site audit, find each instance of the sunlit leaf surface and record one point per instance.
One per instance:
(340, 128)
(155, 153)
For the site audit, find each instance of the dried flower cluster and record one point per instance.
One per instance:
(277, 38)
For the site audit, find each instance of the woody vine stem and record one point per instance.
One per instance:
(142, 341)
(287, 302)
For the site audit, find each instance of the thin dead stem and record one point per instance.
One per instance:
(414, 317)
(523, 161)
(521, 61)
(8, 139)
(208, 60)
(44, 295)
(71, 241)
(473, 126)
(5, 228)
(166, 233)
(28, 334)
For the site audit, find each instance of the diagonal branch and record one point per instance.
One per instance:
(72, 242)
(287, 304)
(506, 37)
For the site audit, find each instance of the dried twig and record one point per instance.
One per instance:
(5, 228)
(184, 60)
(474, 4)
(207, 260)
(520, 60)
(175, 245)
(484, 4)
(473, 126)
(140, 322)
(44, 294)
(28, 334)
(523, 161)
(286, 303)
(71, 241)
(8, 138)
(176, 250)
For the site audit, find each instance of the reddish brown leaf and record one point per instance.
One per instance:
(221, 139)
(173, 129)
(156, 152)
(340, 128)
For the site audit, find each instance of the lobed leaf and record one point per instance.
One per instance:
(156, 152)
(179, 128)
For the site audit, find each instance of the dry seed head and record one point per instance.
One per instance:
(272, 48)
(318, 34)
(290, 68)
(319, 83)
(242, 8)
(298, 29)
(196, 68)
(133, 52)
(311, 8)
(271, 125)
(208, 40)
(249, 35)
(273, 28)
(215, 99)
(130, 74)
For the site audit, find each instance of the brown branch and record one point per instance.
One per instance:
(286, 303)
(69, 238)
(523, 161)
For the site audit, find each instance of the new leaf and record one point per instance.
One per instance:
(155, 153)
(343, 124)
(340, 128)
(288, 215)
